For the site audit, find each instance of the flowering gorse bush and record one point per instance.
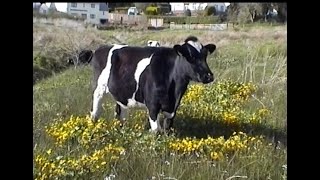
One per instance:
(215, 148)
(82, 147)
(223, 101)
(48, 166)
(82, 130)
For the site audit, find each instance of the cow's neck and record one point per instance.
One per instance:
(181, 71)
(181, 78)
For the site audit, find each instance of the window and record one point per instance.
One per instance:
(92, 16)
(74, 14)
(73, 4)
(92, 5)
(222, 8)
(84, 5)
(102, 12)
(84, 16)
(216, 7)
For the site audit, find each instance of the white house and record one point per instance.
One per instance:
(221, 7)
(53, 7)
(41, 8)
(95, 13)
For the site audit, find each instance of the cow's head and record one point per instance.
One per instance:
(195, 55)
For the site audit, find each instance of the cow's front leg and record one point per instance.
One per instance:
(154, 119)
(96, 102)
(168, 120)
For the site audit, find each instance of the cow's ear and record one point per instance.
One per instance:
(178, 49)
(211, 48)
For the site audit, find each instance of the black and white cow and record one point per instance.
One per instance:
(151, 77)
(153, 43)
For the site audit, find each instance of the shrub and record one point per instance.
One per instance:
(121, 10)
(151, 10)
(39, 73)
(189, 19)
(187, 12)
(210, 10)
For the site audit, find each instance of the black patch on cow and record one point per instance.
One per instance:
(121, 83)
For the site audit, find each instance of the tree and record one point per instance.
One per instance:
(254, 9)
(282, 11)
(112, 6)
(141, 6)
(187, 12)
(248, 12)
(210, 10)
(232, 12)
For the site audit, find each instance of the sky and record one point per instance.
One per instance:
(63, 6)
(60, 6)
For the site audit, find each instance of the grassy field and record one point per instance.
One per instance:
(234, 128)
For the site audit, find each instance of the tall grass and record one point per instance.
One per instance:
(256, 55)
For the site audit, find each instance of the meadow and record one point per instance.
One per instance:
(234, 128)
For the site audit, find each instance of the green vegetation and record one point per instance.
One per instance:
(232, 128)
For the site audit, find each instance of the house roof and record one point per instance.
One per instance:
(103, 7)
(53, 6)
(36, 5)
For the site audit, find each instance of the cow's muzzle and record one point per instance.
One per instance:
(207, 78)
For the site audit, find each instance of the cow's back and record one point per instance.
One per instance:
(99, 59)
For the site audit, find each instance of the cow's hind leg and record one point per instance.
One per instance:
(120, 113)
(117, 112)
(98, 94)
(168, 121)
(154, 118)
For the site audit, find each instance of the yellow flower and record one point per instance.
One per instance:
(49, 151)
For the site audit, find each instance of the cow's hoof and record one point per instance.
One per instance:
(156, 131)
(93, 116)
(170, 131)
(122, 123)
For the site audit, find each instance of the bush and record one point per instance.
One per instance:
(150, 10)
(39, 73)
(210, 10)
(186, 20)
(187, 12)
(202, 20)
(49, 63)
(56, 15)
(121, 9)
(44, 66)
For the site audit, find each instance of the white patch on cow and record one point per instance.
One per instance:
(102, 85)
(197, 45)
(153, 43)
(105, 74)
(97, 97)
(141, 66)
(122, 105)
(168, 115)
(155, 125)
